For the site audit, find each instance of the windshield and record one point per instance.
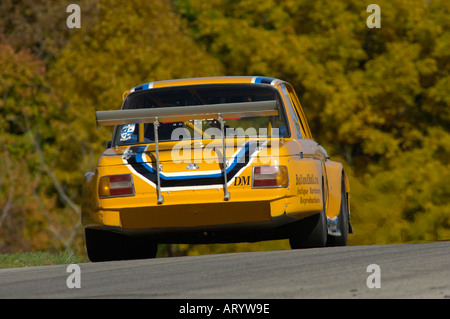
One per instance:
(202, 129)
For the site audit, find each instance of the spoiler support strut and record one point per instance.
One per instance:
(226, 195)
(158, 181)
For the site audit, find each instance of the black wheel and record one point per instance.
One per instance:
(106, 246)
(310, 232)
(342, 220)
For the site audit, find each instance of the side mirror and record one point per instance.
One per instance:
(108, 144)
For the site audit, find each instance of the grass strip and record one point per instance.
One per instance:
(40, 258)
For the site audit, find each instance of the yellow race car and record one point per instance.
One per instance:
(211, 160)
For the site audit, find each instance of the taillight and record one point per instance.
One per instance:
(116, 185)
(270, 176)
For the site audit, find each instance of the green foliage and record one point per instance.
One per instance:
(39, 258)
(376, 98)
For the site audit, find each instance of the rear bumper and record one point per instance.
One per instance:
(184, 215)
(200, 222)
(275, 228)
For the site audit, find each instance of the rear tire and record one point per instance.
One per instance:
(107, 246)
(310, 232)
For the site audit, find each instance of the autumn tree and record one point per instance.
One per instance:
(30, 217)
(50, 92)
(376, 98)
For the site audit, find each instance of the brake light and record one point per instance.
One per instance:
(116, 185)
(270, 176)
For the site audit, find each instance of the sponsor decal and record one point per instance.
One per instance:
(309, 194)
(127, 132)
(306, 180)
(242, 181)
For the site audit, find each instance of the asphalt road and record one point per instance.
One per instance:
(406, 271)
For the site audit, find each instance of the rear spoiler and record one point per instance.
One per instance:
(185, 113)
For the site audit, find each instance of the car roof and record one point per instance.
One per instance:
(206, 80)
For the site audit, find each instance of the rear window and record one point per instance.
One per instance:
(195, 129)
